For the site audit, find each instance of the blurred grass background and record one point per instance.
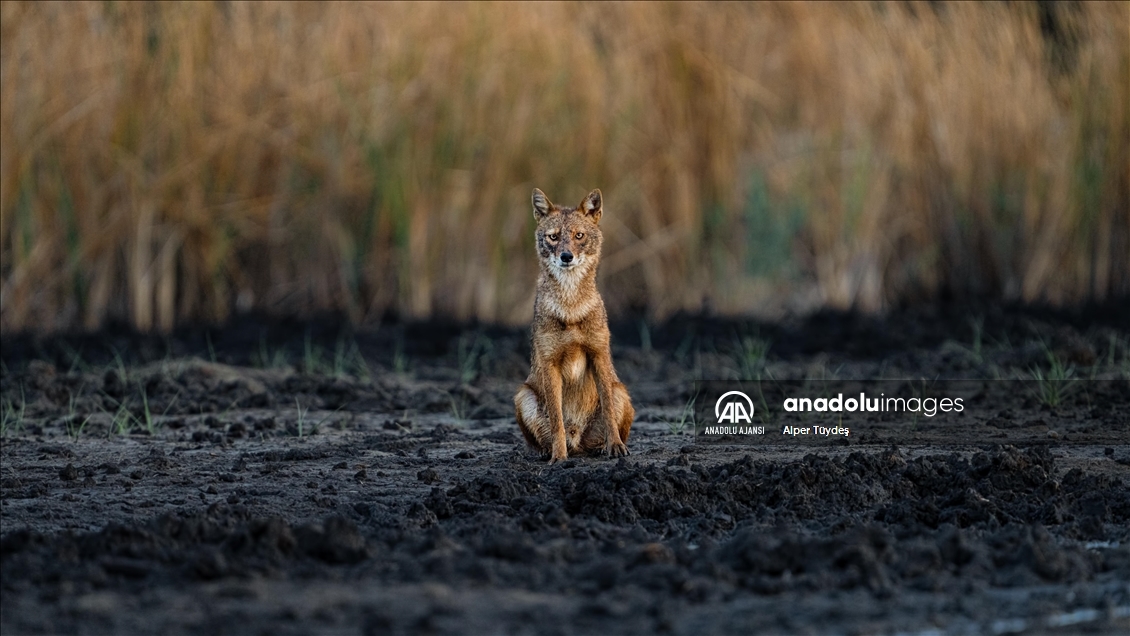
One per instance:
(165, 163)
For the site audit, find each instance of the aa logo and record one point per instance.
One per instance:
(733, 407)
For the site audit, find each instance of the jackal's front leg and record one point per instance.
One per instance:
(610, 407)
(552, 389)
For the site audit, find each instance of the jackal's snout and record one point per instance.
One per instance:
(569, 256)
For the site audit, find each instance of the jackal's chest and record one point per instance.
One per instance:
(574, 362)
(567, 350)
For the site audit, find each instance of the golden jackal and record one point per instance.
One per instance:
(572, 402)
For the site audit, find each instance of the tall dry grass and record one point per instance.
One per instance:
(163, 163)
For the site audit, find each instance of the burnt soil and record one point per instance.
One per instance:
(286, 477)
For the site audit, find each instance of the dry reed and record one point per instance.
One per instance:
(163, 163)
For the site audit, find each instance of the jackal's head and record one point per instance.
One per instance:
(568, 239)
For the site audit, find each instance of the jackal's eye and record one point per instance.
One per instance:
(579, 235)
(551, 236)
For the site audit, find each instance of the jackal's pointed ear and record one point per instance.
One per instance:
(593, 205)
(541, 204)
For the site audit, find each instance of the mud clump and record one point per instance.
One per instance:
(1006, 486)
(218, 542)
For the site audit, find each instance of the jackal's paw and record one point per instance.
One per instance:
(558, 455)
(616, 449)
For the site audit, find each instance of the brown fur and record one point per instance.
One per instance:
(572, 402)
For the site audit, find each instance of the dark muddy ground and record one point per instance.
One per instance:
(304, 478)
